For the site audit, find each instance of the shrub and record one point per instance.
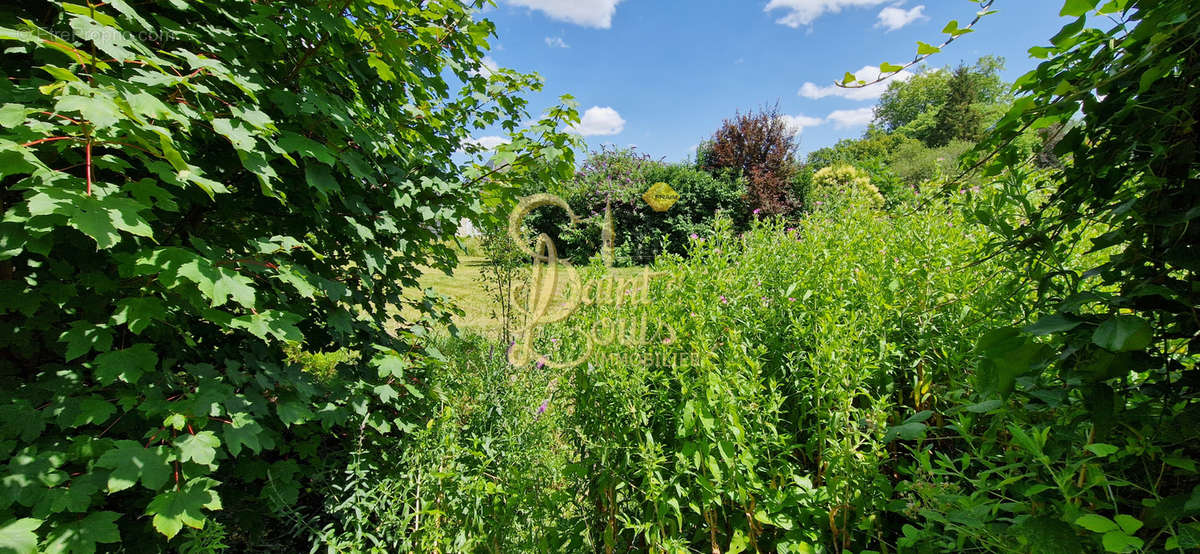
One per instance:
(841, 184)
(759, 147)
(617, 180)
(181, 208)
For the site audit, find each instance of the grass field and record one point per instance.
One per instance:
(467, 288)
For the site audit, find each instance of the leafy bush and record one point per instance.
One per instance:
(618, 180)
(758, 147)
(844, 184)
(188, 189)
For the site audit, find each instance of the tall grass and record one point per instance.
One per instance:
(800, 357)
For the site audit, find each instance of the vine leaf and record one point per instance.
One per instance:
(174, 509)
(18, 537)
(243, 431)
(127, 365)
(130, 462)
(81, 537)
(200, 448)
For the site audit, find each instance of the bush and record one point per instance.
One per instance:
(619, 179)
(759, 148)
(844, 184)
(207, 231)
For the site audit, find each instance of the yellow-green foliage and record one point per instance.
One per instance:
(321, 365)
(840, 184)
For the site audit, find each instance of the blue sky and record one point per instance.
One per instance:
(662, 75)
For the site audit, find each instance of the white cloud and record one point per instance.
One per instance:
(487, 68)
(556, 42)
(489, 142)
(588, 13)
(871, 92)
(804, 12)
(893, 18)
(843, 119)
(600, 121)
(797, 123)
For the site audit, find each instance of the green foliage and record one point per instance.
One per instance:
(192, 189)
(844, 184)
(483, 474)
(944, 105)
(769, 417)
(617, 180)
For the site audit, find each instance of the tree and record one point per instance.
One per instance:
(190, 191)
(913, 107)
(759, 147)
(958, 118)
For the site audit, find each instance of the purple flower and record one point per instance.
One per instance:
(724, 300)
(756, 210)
(542, 409)
(541, 362)
(790, 299)
(693, 236)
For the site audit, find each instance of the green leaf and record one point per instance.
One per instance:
(12, 115)
(886, 67)
(93, 410)
(241, 138)
(906, 431)
(274, 323)
(17, 536)
(84, 337)
(1102, 450)
(293, 412)
(244, 431)
(130, 462)
(138, 313)
(1128, 523)
(174, 509)
(386, 393)
(82, 536)
(127, 365)
(100, 110)
(1076, 8)
(924, 49)
(1123, 333)
(200, 448)
(1051, 324)
(1096, 523)
(1116, 541)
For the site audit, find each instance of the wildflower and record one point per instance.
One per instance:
(667, 340)
(693, 236)
(790, 299)
(542, 409)
(724, 300)
(756, 210)
(820, 203)
(693, 314)
(541, 362)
